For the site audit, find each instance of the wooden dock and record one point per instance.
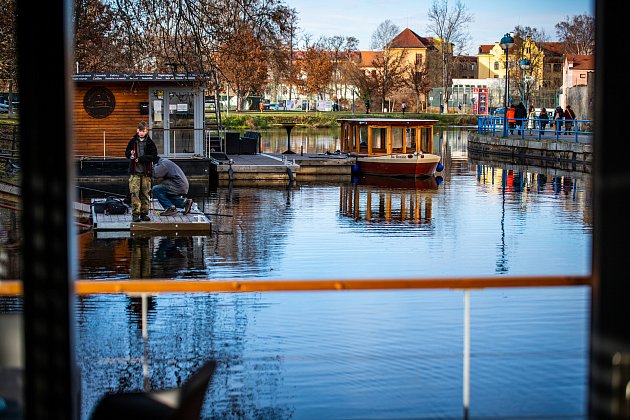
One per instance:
(282, 168)
(193, 222)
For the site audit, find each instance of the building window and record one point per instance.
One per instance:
(557, 67)
(582, 76)
(496, 76)
(418, 59)
(496, 65)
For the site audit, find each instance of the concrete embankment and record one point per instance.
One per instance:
(564, 151)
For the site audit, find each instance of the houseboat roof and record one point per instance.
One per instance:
(388, 121)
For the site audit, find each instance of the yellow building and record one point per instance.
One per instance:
(545, 72)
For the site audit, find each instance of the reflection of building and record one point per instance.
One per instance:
(387, 199)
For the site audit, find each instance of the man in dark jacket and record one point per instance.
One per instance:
(173, 184)
(141, 152)
(520, 114)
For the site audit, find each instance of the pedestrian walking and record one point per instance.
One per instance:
(520, 115)
(569, 116)
(543, 119)
(558, 116)
(531, 119)
(403, 107)
(511, 117)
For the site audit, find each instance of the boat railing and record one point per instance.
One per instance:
(552, 130)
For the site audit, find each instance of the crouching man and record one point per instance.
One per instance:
(171, 185)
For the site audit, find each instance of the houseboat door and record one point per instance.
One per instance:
(176, 120)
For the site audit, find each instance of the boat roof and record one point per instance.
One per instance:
(387, 121)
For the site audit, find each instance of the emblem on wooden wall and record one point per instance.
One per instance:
(99, 102)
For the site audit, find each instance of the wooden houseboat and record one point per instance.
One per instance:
(391, 147)
(107, 108)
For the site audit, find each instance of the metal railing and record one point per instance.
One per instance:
(493, 125)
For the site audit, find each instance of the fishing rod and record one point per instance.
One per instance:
(102, 191)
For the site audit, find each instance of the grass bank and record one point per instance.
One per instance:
(261, 120)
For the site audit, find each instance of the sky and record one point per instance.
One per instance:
(360, 18)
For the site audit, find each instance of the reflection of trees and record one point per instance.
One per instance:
(245, 236)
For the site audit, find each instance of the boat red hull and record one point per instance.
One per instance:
(399, 166)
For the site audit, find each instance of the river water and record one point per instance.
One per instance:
(358, 354)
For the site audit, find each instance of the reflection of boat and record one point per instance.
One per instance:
(422, 184)
(384, 199)
(391, 147)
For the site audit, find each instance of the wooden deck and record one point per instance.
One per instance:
(193, 222)
(274, 167)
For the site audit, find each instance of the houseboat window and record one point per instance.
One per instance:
(397, 139)
(379, 136)
(362, 134)
(410, 139)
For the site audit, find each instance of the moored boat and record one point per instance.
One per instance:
(391, 146)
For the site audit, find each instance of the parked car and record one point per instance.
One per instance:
(4, 108)
(271, 107)
(499, 112)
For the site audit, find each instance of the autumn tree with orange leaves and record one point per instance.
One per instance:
(314, 71)
(243, 64)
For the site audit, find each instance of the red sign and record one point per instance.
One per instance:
(480, 100)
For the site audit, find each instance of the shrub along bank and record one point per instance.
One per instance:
(261, 120)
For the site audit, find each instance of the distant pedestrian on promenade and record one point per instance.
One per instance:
(558, 116)
(531, 119)
(171, 188)
(544, 119)
(511, 117)
(141, 152)
(403, 107)
(520, 114)
(569, 116)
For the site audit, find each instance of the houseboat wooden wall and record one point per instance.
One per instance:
(108, 136)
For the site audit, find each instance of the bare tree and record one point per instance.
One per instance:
(364, 84)
(384, 33)
(97, 37)
(8, 51)
(390, 69)
(450, 26)
(419, 83)
(577, 34)
(339, 48)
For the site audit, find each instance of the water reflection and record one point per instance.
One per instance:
(375, 199)
(357, 354)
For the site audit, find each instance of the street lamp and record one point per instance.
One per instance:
(506, 43)
(525, 65)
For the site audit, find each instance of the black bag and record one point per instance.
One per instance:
(115, 206)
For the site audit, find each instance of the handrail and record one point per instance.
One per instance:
(493, 125)
(88, 287)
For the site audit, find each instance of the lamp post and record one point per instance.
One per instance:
(506, 43)
(525, 65)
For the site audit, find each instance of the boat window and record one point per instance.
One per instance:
(379, 136)
(398, 139)
(363, 136)
(410, 139)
